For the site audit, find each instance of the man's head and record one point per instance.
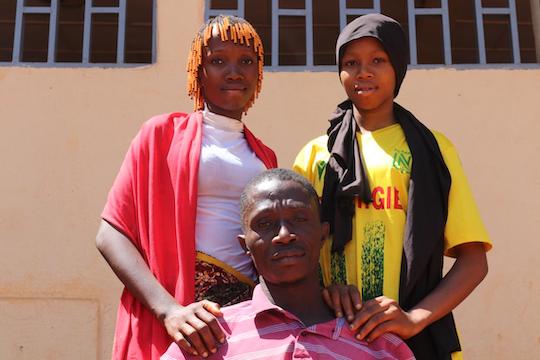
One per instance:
(283, 232)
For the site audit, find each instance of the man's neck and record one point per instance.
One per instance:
(302, 299)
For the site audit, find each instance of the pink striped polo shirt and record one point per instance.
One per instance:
(258, 329)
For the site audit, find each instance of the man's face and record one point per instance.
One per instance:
(283, 232)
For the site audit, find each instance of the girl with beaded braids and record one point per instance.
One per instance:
(170, 223)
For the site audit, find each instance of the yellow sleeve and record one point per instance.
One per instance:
(464, 224)
(311, 162)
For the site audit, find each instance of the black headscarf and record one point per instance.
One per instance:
(429, 186)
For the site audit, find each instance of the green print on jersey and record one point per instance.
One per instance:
(321, 165)
(373, 260)
(402, 161)
(339, 272)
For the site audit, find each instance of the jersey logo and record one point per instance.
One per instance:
(321, 165)
(402, 161)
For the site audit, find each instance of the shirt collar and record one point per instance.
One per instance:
(332, 329)
(221, 122)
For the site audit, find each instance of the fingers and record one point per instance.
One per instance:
(335, 296)
(346, 303)
(212, 323)
(195, 328)
(202, 339)
(355, 297)
(327, 299)
(187, 339)
(371, 324)
(212, 307)
(369, 309)
(343, 299)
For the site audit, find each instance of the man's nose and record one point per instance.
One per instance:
(284, 235)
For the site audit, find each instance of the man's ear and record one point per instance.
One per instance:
(242, 240)
(325, 230)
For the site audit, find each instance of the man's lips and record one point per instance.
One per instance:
(287, 253)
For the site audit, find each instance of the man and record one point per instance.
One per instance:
(287, 317)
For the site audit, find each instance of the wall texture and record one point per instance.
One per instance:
(64, 133)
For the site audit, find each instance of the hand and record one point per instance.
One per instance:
(343, 299)
(194, 328)
(382, 315)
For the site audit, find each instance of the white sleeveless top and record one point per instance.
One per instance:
(226, 165)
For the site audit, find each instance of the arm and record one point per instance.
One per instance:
(194, 327)
(381, 315)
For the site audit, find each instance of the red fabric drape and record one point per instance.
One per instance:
(153, 202)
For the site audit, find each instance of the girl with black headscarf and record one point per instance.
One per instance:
(397, 201)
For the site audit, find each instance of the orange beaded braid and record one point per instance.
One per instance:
(231, 28)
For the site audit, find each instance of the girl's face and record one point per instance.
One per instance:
(367, 75)
(228, 76)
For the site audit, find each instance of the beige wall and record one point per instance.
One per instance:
(64, 133)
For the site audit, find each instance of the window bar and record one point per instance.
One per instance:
(307, 13)
(120, 43)
(154, 30)
(52, 11)
(344, 11)
(535, 17)
(239, 11)
(89, 10)
(53, 20)
(510, 11)
(18, 32)
(413, 11)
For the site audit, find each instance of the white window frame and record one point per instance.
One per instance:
(412, 12)
(441, 11)
(511, 12)
(89, 10)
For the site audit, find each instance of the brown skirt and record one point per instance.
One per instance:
(219, 282)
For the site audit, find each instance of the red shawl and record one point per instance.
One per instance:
(153, 202)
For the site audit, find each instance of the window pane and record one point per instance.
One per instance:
(428, 3)
(463, 32)
(429, 39)
(360, 4)
(105, 3)
(498, 39)
(138, 45)
(397, 10)
(36, 2)
(291, 4)
(104, 38)
(526, 34)
(325, 31)
(69, 42)
(7, 28)
(223, 4)
(35, 40)
(292, 40)
(495, 3)
(259, 14)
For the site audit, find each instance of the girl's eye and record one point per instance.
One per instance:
(378, 60)
(247, 61)
(349, 63)
(216, 61)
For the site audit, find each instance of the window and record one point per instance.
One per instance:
(301, 34)
(77, 32)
